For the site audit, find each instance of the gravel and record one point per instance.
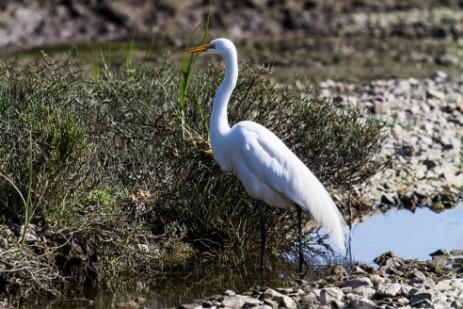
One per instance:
(424, 121)
(419, 285)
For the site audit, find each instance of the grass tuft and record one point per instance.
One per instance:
(188, 65)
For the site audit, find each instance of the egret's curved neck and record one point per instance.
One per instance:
(219, 120)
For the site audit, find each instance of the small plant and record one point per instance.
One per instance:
(29, 208)
(129, 59)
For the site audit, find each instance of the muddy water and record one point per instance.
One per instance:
(172, 288)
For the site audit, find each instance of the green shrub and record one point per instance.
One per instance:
(97, 141)
(35, 116)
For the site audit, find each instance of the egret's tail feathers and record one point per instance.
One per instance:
(325, 212)
(338, 232)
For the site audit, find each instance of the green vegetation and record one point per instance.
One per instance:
(119, 184)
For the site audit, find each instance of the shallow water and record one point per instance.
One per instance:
(169, 290)
(409, 235)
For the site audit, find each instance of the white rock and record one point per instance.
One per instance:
(363, 303)
(364, 291)
(251, 301)
(377, 280)
(330, 294)
(443, 285)
(229, 293)
(235, 302)
(402, 301)
(458, 283)
(390, 289)
(144, 248)
(354, 283)
(282, 300)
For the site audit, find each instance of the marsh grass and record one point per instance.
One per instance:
(116, 186)
(26, 202)
(188, 65)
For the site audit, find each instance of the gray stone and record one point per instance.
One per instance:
(229, 293)
(458, 283)
(419, 274)
(435, 94)
(439, 252)
(309, 300)
(337, 304)
(428, 283)
(364, 291)
(443, 285)
(286, 302)
(440, 76)
(251, 301)
(235, 302)
(355, 283)
(440, 304)
(389, 289)
(270, 302)
(406, 289)
(346, 289)
(456, 252)
(282, 300)
(330, 294)
(270, 293)
(403, 301)
(363, 303)
(377, 280)
(422, 297)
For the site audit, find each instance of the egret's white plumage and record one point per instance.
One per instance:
(269, 170)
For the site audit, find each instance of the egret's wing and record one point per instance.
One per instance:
(273, 163)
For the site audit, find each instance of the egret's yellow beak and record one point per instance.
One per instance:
(199, 49)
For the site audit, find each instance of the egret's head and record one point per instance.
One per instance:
(217, 46)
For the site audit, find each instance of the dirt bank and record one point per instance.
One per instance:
(29, 23)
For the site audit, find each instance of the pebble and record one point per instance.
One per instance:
(358, 282)
(389, 289)
(365, 287)
(330, 294)
(424, 122)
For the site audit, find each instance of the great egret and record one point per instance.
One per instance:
(268, 169)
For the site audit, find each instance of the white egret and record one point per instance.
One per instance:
(268, 169)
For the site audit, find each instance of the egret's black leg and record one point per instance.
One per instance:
(263, 233)
(299, 227)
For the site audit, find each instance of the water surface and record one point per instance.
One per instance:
(408, 235)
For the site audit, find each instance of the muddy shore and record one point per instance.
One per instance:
(340, 40)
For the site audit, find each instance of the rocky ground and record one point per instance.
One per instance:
(424, 120)
(30, 23)
(349, 40)
(395, 283)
